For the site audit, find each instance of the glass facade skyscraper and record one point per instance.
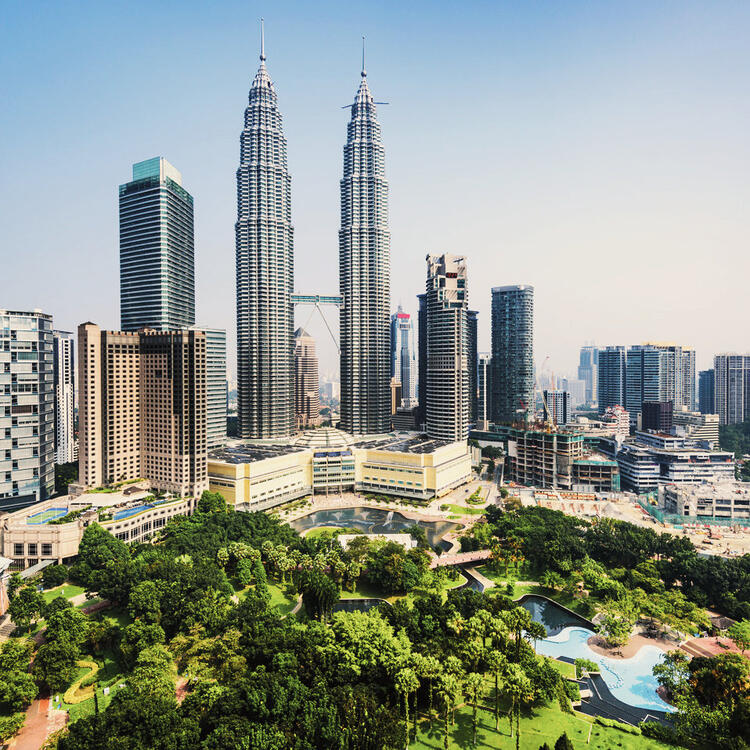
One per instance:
(364, 274)
(403, 360)
(588, 363)
(265, 270)
(611, 371)
(512, 353)
(27, 420)
(64, 366)
(216, 386)
(157, 266)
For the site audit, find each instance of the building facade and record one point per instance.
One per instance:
(364, 274)
(512, 353)
(216, 386)
(157, 264)
(484, 387)
(588, 363)
(706, 388)
(66, 448)
(696, 426)
(657, 415)
(732, 387)
(306, 385)
(142, 408)
(422, 361)
(726, 500)
(473, 332)
(448, 402)
(611, 377)
(403, 359)
(265, 270)
(557, 407)
(27, 404)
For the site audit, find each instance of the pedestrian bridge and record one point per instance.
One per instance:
(460, 558)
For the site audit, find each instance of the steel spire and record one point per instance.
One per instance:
(262, 42)
(364, 72)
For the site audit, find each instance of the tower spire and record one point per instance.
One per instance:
(262, 42)
(364, 72)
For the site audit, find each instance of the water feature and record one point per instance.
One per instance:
(357, 605)
(630, 680)
(372, 521)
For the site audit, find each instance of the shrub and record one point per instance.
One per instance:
(612, 724)
(77, 693)
(572, 690)
(9, 725)
(657, 731)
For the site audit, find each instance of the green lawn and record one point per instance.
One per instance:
(539, 725)
(564, 668)
(462, 510)
(321, 530)
(68, 590)
(280, 600)
(89, 602)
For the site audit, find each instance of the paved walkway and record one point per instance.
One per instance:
(41, 721)
(459, 558)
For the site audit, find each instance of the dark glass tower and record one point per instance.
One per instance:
(265, 270)
(157, 266)
(512, 353)
(364, 274)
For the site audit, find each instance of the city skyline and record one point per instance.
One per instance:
(693, 219)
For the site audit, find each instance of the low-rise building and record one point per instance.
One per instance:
(326, 461)
(697, 426)
(728, 500)
(35, 533)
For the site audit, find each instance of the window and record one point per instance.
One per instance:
(18, 549)
(46, 548)
(32, 548)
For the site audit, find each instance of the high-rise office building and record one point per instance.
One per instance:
(403, 361)
(216, 386)
(512, 353)
(557, 406)
(577, 389)
(142, 408)
(421, 415)
(657, 415)
(611, 377)
(364, 273)
(732, 387)
(157, 267)
(588, 364)
(64, 366)
(27, 398)
(306, 385)
(265, 270)
(659, 372)
(473, 333)
(448, 398)
(484, 387)
(706, 398)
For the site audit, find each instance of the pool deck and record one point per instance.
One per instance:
(598, 645)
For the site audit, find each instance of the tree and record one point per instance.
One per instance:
(54, 575)
(474, 682)
(739, 633)
(616, 628)
(551, 579)
(406, 683)
(17, 690)
(212, 502)
(498, 664)
(518, 687)
(54, 664)
(535, 630)
(319, 594)
(448, 689)
(564, 742)
(26, 606)
(144, 602)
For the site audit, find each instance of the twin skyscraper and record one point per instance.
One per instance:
(265, 271)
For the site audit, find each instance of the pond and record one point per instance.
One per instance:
(630, 680)
(371, 521)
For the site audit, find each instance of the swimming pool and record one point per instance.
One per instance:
(630, 680)
(130, 512)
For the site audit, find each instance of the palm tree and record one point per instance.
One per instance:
(498, 664)
(406, 684)
(517, 620)
(518, 687)
(448, 687)
(429, 668)
(535, 630)
(474, 682)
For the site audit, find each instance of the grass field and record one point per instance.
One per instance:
(539, 725)
(68, 590)
(45, 516)
(564, 668)
(280, 600)
(461, 510)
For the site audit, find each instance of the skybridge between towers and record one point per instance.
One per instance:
(318, 301)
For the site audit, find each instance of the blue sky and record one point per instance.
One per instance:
(596, 150)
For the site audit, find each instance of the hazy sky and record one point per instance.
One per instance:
(598, 151)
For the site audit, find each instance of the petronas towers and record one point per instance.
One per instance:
(265, 272)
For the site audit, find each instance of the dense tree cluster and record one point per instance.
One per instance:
(663, 570)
